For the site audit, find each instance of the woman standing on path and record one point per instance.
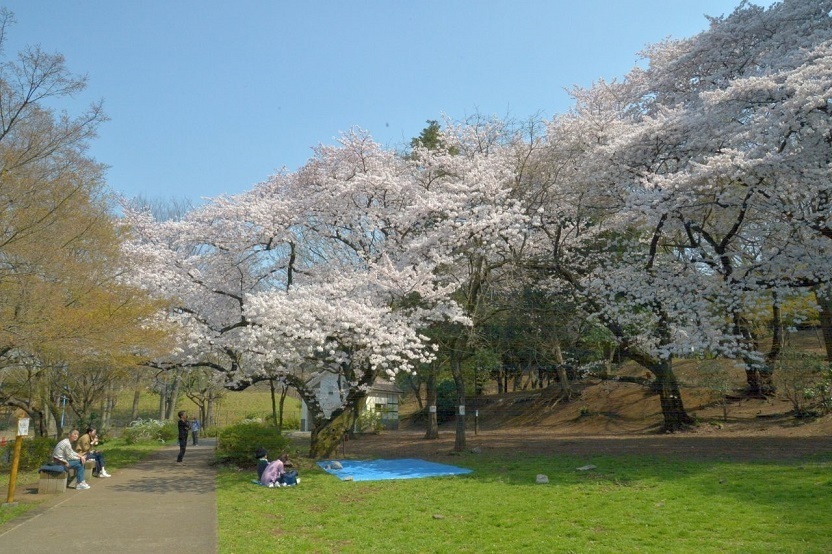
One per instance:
(184, 427)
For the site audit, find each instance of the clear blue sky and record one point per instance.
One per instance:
(210, 97)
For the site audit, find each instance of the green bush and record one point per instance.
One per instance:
(150, 430)
(291, 422)
(33, 453)
(236, 443)
(369, 422)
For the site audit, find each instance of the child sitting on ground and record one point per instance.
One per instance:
(262, 461)
(275, 474)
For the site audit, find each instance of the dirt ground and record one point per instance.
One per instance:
(612, 418)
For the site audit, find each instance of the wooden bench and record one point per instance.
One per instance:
(54, 478)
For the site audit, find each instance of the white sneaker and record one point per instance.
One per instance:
(271, 485)
(297, 482)
(103, 473)
(82, 486)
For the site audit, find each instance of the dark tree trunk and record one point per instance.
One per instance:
(456, 370)
(432, 431)
(757, 374)
(163, 403)
(134, 411)
(759, 379)
(174, 396)
(415, 383)
(209, 412)
(560, 367)
(673, 409)
(283, 392)
(825, 301)
(274, 402)
(327, 434)
(670, 397)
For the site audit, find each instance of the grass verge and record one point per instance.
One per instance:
(626, 504)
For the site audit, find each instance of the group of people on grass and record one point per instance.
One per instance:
(75, 457)
(276, 473)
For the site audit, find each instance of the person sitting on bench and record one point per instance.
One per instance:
(84, 448)
(65, 455)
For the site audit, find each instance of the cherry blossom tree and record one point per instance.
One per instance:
(306, 273)
(728, 154)
(681, 199)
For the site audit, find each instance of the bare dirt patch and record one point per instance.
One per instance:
(612, 418)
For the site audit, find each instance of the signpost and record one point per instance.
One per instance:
(22, 431)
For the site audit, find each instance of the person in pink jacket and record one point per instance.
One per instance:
(277, 473)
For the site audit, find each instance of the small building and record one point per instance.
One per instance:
(381, 402)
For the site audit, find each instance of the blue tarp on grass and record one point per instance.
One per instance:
(376, 470)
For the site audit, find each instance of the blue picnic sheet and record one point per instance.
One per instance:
(402, 468)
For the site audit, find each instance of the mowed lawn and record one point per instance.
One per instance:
(232, 408)
(626, 504)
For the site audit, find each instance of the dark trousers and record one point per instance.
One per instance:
(99, 460)
(182, 444)
(195, 437)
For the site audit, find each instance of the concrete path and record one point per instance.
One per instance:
(156, 505)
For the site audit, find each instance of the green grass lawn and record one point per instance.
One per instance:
(627, 504)
(232, 408)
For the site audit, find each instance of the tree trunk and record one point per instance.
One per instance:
(757, 374)
(36, 417)
(432, 431)
(327, 436)
(825, 301)
(328, 433)
(109, 406)
(174, 395)
(163, 405)
(134, 411)
(209, 412)
(456, 370)
(759, 379)
(517, 381)
(416, 387)
(282, 403)
(274, 402)
(563, 377)
(673, 410)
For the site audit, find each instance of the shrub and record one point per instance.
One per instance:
(291, 422)
(33, 453)
(150, 430)
(369, 422)
(798, 376)
(236, 443)
(821, 393)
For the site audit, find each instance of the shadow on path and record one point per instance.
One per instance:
(155, 505)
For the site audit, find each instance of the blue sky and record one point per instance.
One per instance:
(210, 97)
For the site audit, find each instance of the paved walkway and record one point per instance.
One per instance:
(156, 505)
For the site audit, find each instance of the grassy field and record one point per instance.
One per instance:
(627, 504)
(232, 408)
